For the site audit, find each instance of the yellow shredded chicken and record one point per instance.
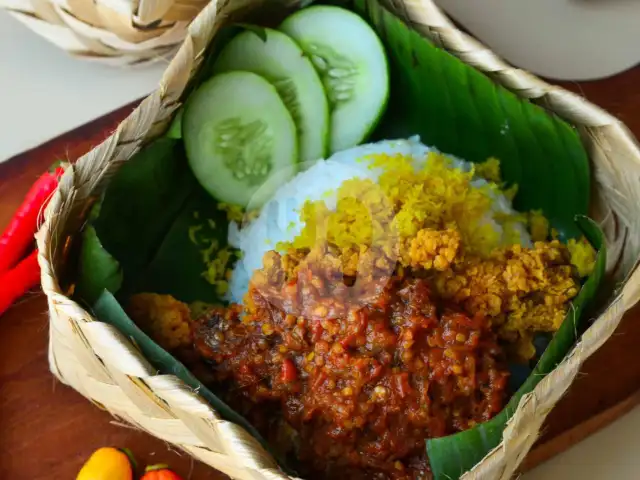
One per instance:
(514, 285)
(583, 256)
(434, 249)
(162, 317)
(234, 213)
(490, 170)
(538, 226)
(218, 267)
(217, 260)
(523, 290)
(390, 213)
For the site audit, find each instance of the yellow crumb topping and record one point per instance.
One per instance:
(234, 213)
(520, 346)
(162, 317)
(514, 285)
(583, 256)
(538, 226)
(511, 192)
(523, 290)
(489, 170)
(434, 249)
(218, 265)
(217, 260)
(389, 213)
(437, 197)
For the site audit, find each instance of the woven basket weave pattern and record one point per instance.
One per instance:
(99, 362)
(116, 32)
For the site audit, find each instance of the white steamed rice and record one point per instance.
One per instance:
(279, 219)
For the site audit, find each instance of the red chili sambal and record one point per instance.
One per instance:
(359, 384)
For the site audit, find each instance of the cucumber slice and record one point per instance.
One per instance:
(352, 65)
(276, 57)
(238, 134)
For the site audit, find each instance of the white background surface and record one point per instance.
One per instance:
(44, 92)
(576, 30)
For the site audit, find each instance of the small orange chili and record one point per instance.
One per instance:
(159, 472)
(107, 463)
(288, 371)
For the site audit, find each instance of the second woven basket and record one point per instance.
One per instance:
(115, 32)
(103, 364)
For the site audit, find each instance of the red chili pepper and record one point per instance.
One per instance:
(160, 472)
(402, 384)
(318, 381)
(17, 238)
(17, 281)
(376, 370)
(289, 373)
(316, 329)
(346, 341)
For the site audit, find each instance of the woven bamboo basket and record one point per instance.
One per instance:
(103, 365)
(116, 32)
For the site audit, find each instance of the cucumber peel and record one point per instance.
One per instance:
(352, 64)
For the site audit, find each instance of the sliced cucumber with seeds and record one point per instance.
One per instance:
(238, 134)
(276, 57)
(352, 65)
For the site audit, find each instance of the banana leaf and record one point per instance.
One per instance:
(97, 269)
(178, 267)
(141, 203)
(145, 230)
(175, 129)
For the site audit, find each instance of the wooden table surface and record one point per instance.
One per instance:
(48, 430)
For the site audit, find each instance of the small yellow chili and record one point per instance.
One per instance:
(107, 463)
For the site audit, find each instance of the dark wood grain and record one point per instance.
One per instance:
(47, 430)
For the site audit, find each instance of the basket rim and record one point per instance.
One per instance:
(596, 124)
(110, 32)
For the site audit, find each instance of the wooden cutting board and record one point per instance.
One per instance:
(48, 430)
